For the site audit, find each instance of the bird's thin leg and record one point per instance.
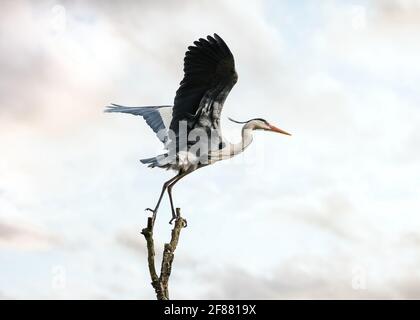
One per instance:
(165, 186)
(171, 185)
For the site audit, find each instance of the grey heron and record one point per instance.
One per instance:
(190, 129)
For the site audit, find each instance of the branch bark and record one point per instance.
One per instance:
(160, 283)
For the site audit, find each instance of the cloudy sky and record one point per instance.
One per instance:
(332, 212)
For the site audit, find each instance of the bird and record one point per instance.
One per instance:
(190, 128)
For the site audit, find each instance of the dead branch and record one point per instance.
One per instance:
(160, 284)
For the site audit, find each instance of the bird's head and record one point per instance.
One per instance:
(260, 124)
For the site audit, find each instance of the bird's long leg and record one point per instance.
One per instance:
(165, 186)
(171, 185)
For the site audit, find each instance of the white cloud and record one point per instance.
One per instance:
(18, 236)
(343, 188)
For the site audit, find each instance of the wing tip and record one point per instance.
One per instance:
(111, 107)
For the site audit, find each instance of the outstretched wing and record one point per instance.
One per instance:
(157, 117)
(209, 75)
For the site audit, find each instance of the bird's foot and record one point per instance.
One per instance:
(176, 216)
(154, 212)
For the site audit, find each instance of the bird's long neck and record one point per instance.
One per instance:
(246, 139)
(235, 148)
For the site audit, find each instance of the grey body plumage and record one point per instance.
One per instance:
(209, 76)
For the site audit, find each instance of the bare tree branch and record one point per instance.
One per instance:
(160, 284)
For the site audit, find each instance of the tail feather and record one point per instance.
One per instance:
(161, 161)
(148, 160)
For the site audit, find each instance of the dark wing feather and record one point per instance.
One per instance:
(209, 75)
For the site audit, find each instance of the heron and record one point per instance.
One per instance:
(190, 128)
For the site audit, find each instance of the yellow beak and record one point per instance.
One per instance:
(275, 129)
